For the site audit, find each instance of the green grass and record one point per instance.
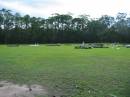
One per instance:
(101, 72)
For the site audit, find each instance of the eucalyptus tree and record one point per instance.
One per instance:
(78, 23)
(6, 23)
(121, 26)
(121, 21)
(1, 24)
(86, 19)
(95, 28)
(6, 18)
(52, 23)
(64, 21)
(26, 21)
(17, 20)
(108, 21)
(1, 18)
(60, 21)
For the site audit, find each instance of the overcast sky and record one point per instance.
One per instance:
(44, 8)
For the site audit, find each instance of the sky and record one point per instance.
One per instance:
(45, 8)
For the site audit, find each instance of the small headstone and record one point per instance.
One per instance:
(83, 44)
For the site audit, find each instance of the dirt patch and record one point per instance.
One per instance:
(8, 89)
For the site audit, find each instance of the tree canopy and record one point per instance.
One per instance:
(63, 28)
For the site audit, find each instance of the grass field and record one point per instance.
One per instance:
(63, 70)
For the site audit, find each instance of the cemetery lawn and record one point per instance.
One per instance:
(63, 70)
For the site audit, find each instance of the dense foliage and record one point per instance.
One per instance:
(63, 28)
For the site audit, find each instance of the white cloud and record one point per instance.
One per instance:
(45, 8)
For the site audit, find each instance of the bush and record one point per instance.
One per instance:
(83, 47)
(127, 46)
(53, 45)
(13, 45)
(99, 45)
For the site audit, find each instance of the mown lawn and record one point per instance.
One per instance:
(63, 70)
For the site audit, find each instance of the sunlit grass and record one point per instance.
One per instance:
(101, 72)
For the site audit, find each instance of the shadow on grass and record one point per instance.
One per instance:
(126, 91)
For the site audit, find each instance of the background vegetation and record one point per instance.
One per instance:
(63, 28)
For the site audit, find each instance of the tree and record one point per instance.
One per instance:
(63, 28)
(107, 21)
(26, 21)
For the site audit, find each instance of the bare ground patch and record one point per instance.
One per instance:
(8, 89)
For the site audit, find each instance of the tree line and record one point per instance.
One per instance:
(62, 28)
